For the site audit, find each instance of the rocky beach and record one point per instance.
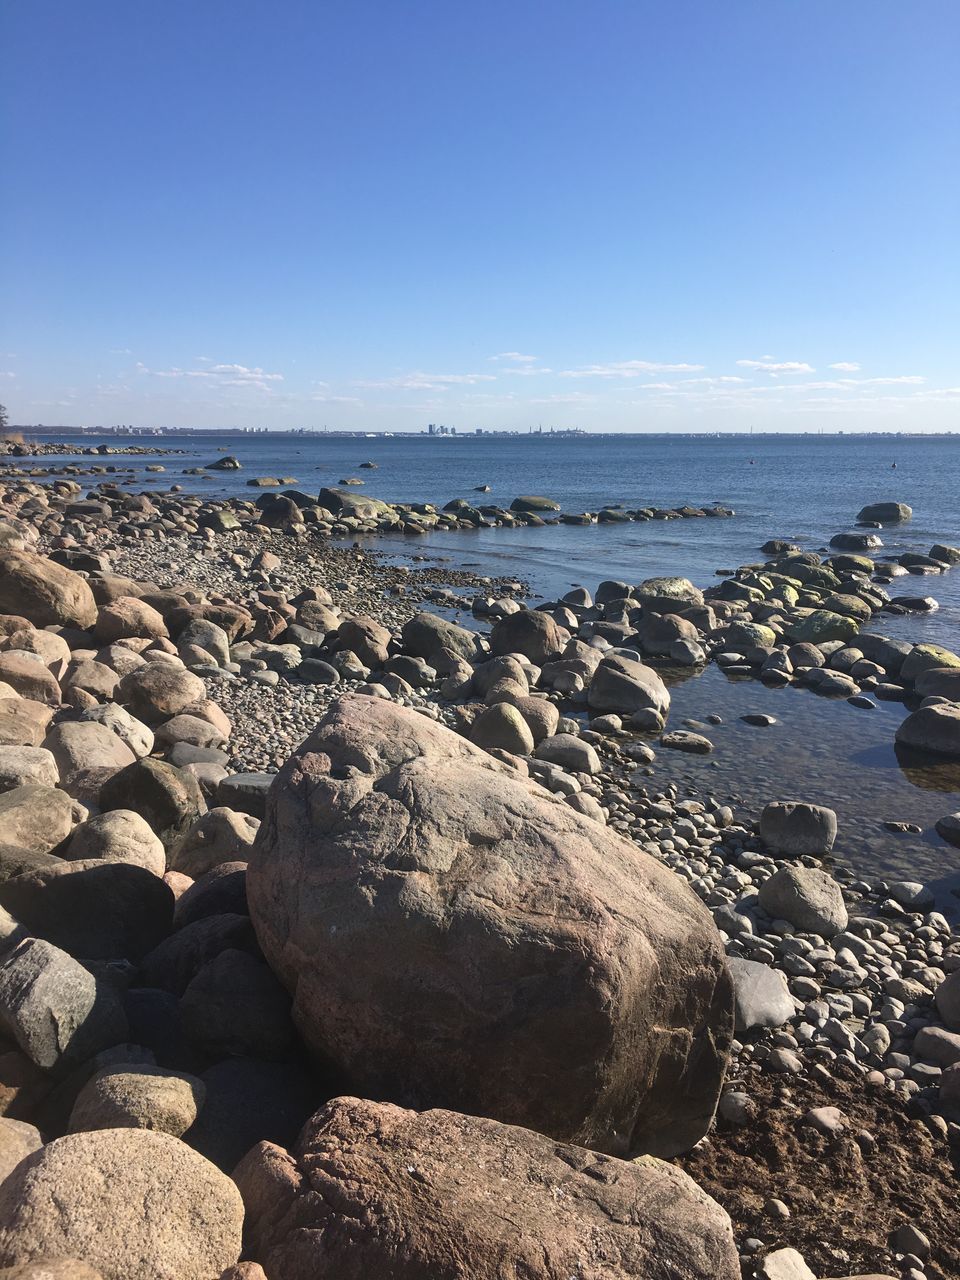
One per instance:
(356, 917)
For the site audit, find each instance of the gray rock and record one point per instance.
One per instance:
(760, 994)
(27, 766)
(118, 836)
(569, 753)
(792, 828)
(218, 836)
(808, 898)
(54, 1008)
(932, 728)
(626, 686)
(38, 818)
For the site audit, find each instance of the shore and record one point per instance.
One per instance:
(838, 1127)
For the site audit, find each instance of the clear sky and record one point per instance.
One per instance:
(618, 214)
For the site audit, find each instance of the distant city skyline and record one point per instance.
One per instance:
(616, 217)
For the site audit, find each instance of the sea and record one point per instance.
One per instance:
(803, 489)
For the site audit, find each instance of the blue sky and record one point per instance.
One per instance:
(684, 215)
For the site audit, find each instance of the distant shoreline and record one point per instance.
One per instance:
(565, 434)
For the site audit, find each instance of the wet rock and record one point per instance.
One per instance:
(626, 686)
(885, 512)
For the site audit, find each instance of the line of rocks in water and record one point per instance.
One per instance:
(116, 701)
(10, 448)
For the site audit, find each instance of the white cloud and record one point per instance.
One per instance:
(419, 381)
(572, 397)
(628, 369)
(5, 373)
(846, 366)
(767, 365)
(224, 375)
(120, 351)
(912, 379)
(514, 357)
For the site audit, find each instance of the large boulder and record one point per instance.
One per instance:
(220, 835)
(127, 616)
(454, 936)
(624, 685)
(44, 592)
(77, 745)
(935, 728)
(26, 674)
(529, 632)
(117, 836)
(885, 513)
(426, 635)
(372, 1191)
(27, 766)
(136, 1205)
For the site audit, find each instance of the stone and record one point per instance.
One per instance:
(533, 502)
(502, 727)
(245, 792)
(27, 766)
(936, 1045)
(822, 625)
(932, 728)
(145, 1097)
(23, 723)
(131, 731)
(807, 898)
(53, 1007)
(948, 827)
(173, 963)
(93, 910)
(761, 997)
(529, 632)
(235, 1007)
(218, 836)
(682, 740)
(249, 1101)
(625, 686)
(372, 1191)
(38, 818)
(156, 691)
(569, 753)
(128, 616)
(366, 638)
(27, 676)
(885, 513)
(44, 592)
(939, 682)
(205, 634)
(168, 798)
(77, 745)
(928, 657)
(784, 1264)
(425, 635)
(118, 836)
(465, 901)
(191, 729)
(136, 1205)
(792, 828)
(221, 891)
(17, 1140)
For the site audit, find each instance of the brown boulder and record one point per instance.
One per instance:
(530, 632)
(28, 675)
(373, 1191)
(157, 690)
(135, 1204)
(128, 616)
(44, 592)
(23, 722)
(453, 935)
